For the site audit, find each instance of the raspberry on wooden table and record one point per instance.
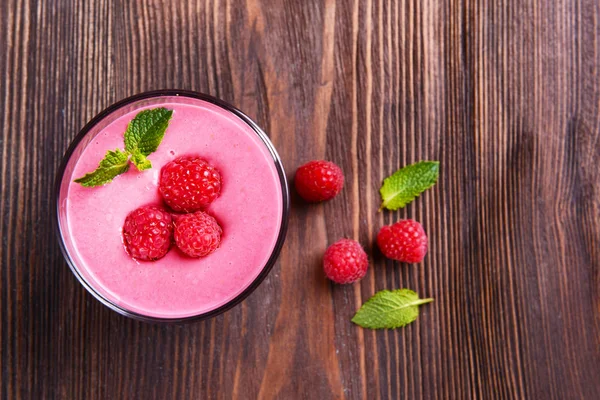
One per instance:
(345, 261)
(318, 180)
(189, 184)
(197, 234)
(147, 233)
(404, 241)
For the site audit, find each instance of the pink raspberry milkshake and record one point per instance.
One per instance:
(252, 209)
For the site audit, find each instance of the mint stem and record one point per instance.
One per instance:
(422, 301)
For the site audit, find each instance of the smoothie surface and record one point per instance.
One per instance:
(249, 210)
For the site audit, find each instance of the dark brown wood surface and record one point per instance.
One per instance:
(506, 94)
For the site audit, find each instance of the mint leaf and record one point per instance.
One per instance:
(389, 309)
(142, 137)
(144, 133)
(407, 183)
(140, 161)
(114, 163)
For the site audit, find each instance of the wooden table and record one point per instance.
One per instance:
(505, 94)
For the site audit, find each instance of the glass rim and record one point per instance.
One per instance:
(219, 103)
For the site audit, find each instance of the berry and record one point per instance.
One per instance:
(147, 233)
(189, 184)
(319, 180)
(345, 261)
(197, 234)
(404, 241)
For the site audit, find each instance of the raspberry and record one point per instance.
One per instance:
(319, 180)
(188, 184)
(404, 241)
(197, 234)
(147, 233)
(345, 261)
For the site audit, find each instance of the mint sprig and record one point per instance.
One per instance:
(389, 309)
(407, 183)
(142, 137)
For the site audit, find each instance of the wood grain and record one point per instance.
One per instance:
(504, 93)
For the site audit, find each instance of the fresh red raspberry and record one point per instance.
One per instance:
(318, 180)
(345, 261)
(404, 241)
(197, 234)
(188, 184)
(147, 233)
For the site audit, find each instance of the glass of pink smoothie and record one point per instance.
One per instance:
(252, 209)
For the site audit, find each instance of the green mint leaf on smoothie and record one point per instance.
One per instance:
(142, 137)
(114, 163)
(144, 133)
(407, 183)
(389, 309)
